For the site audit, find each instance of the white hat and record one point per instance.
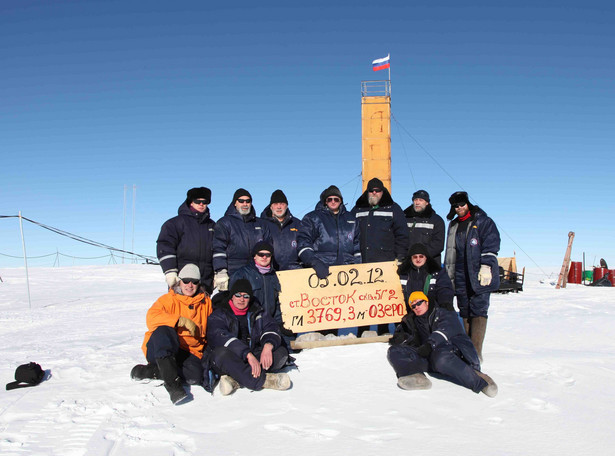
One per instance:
(190, 271)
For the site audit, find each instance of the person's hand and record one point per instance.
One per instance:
(255, 365)
(484, 275)
(189, 325)
(267, 356)
(221, 280)
(171, 278)
(322, 270)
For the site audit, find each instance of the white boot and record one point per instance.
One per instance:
(279, 382)
(227, 385)
(414, 382)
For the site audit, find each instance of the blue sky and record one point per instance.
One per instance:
(515, 100)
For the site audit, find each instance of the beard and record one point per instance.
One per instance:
(373, 200)
(243, 211)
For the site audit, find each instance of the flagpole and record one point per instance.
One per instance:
(390, 88)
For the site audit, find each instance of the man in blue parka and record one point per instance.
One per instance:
(188, 239)
(283, 228)
(431, 339)
(471, 262)
(329, 235)
(245, 342)
(235, 236)
(421, 272)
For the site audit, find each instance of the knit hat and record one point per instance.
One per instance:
(417, 295)
(278, 197)
(262, 245)
(198, 193)
(241, 192)
(190, 271)
(375, 183)
(421, 194)
(330, 191)
(241, 286)
(417, 249)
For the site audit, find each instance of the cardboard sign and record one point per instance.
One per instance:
(352, 295)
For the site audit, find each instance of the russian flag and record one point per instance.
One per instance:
(382, 64)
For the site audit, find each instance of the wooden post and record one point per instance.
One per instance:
(563, 275)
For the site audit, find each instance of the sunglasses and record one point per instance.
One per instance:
(200, 202)
(333, 199)
(456, 205)
(192, 281)
(264, 254)
(244, 200)
(376, 190)
(420, 303)
(242, 295)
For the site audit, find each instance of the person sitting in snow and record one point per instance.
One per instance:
(246, 343)
(431, 339)
(175, 340)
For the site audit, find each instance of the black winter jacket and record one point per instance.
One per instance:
(284, 237)
(426, 228)
(187, 238)
(383, 231)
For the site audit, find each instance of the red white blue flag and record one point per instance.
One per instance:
(382, 64)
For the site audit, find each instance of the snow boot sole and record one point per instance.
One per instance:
(414, 382)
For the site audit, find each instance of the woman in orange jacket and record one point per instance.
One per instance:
(175, 340)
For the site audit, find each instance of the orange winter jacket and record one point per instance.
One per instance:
(167, 310)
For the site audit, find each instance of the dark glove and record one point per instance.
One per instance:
(322, 270)
(424, 350)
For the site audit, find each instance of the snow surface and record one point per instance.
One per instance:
(552, 353)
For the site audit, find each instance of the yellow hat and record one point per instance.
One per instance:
(417, 295)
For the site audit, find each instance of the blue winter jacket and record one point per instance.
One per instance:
(383, 231)
(265, 288)
(439, 287)
(440, 328)
(223, 329)
(480, 244)
(187, 238)
(235, 236)
(330, 238)
(284, 237)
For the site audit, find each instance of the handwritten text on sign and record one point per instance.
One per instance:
(352, 295)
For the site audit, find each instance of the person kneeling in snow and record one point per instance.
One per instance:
(174, 343)
(433, 340)
(246, 343)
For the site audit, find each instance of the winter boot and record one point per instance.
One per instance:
(478, 326)
(279, 382)
(414, 382)
(145, 372)
(491, 390)
(466, 326)
(227, 385)
(168, 372)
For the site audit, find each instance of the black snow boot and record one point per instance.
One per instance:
(145, 372)
(168, 372)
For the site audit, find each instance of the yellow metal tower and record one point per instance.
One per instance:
(376, 131)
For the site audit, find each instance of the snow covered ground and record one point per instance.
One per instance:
(552, 353)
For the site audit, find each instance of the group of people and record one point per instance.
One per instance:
(238, 340)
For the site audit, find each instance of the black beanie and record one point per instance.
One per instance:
(278, 197)
(241, 192)
(241, 286)
(417, 249)
(421, 194)
(332, 190)
(375, 183)
(262, 245)
(198, 193)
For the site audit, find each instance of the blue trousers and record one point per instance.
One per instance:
(164, 342)
(472, 305)
(443, 360)
(226, 362)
